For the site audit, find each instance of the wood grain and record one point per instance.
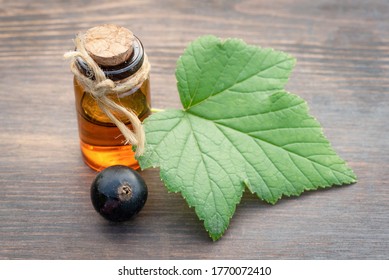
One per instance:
(342, 51)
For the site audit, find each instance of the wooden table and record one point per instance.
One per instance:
(342, 49)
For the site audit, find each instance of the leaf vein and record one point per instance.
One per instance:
(286, 150)
(242, 155)
(258, 114)
(276, 166)
(205, 165)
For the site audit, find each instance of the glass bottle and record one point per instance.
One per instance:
(101, 141)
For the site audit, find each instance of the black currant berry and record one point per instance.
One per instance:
(118, 193)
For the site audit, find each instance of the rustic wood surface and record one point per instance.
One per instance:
(342, 49)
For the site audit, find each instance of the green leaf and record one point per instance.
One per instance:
(239, 128)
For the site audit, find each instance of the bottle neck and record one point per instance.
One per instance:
(121, 71)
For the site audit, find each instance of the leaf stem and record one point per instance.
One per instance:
(156, 110)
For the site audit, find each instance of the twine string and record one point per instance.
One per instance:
(101, 86)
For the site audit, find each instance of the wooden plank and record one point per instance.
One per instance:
(342, 49)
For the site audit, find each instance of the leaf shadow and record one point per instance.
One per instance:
(251, 197)
(251, 202)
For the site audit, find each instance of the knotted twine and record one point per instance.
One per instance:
(100, 87)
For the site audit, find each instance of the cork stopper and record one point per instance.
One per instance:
(109, 44)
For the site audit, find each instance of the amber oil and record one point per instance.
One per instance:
(101, 142)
